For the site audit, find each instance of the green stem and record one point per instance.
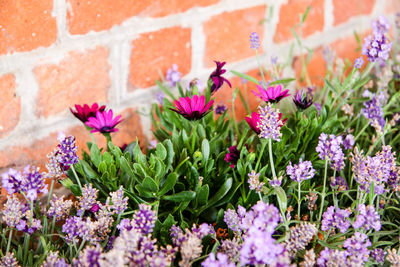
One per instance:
(81, 246)
(323, 191)
(361, 131)
(260, 67)
(194, 135)
(50, 193)
(26, 247)
(271, 159)
(263, 145)
(9, 241)
(298, 199)
(76, 177)
(335, 202)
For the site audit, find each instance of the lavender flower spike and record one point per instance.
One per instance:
(173, 75)
(270, 123)
(254, 41)
(300, 172)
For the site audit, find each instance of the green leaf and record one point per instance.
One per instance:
(202, 195)
(144, 191)
(90, 173)
(127, 169)
(181, 196)
(245, 76)
(205, 149)
(282, 199)
(168, 184)
(150, 185)
(222, 191)
(95, 155)
(161, 152)
(283, 81)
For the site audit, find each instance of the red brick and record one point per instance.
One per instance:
(11, 105)
(289, 16)
(344, 10)
(316, 68)
(347, 48)
(224, 95)
(85, 15)
(228, 34)
(26, 25)
(157, 51)
(35, 154)
(392, 6)
(81, 77)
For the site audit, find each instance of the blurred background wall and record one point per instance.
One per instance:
(57, 53)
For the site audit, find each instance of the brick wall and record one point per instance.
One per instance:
(56, 53)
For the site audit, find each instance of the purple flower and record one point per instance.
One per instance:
(52, 260)
(373, 111)
(378, 169)
(271, 94)
(339, 183)
(88, 198)
(274, 60)
(232, 156)
(119, 202)
(329, 149)
(216, 77)
(379, 255)
(59, 208)
(318, 107)
(232, 220)
(12, 211)
(33, 183)
(124, 224)
(173, 75)
(300, 236)
(276, 181)
(358, 63)
(104, 122)
(254, 122)
(368, 218)
(160, 97)
(254, 41)
(376, 47)
(71, 228)
(66, 153)
(270, 123)
(380, 25)
(12, 181)
(83, 113)
(220, 109)
(300, 172)
(348, 142)
(222, 260)
(254, 181)
(9, 260)
(303, 99)
(90, 256)
(259, 248)
(332, 257)
(144, 219)
(335, 219)
(357, 247)
(193, 108)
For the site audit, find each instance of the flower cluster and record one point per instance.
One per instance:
(377, 169)
(254, 181)
(300, 172)
(329, 148)
(173, 75)
(373, 111)
(376, 46)
(336, 218)
(270, 123)
(367, 218)
(300, 236)
(254, 41)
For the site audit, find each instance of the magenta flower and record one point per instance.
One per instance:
(83, 113)
(271, 94)
(104, 122)
(232, 156)
(216, 77)
(254, 122)
(193, 108)
(303, 99)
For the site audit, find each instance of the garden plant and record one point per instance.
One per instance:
(309, 178)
